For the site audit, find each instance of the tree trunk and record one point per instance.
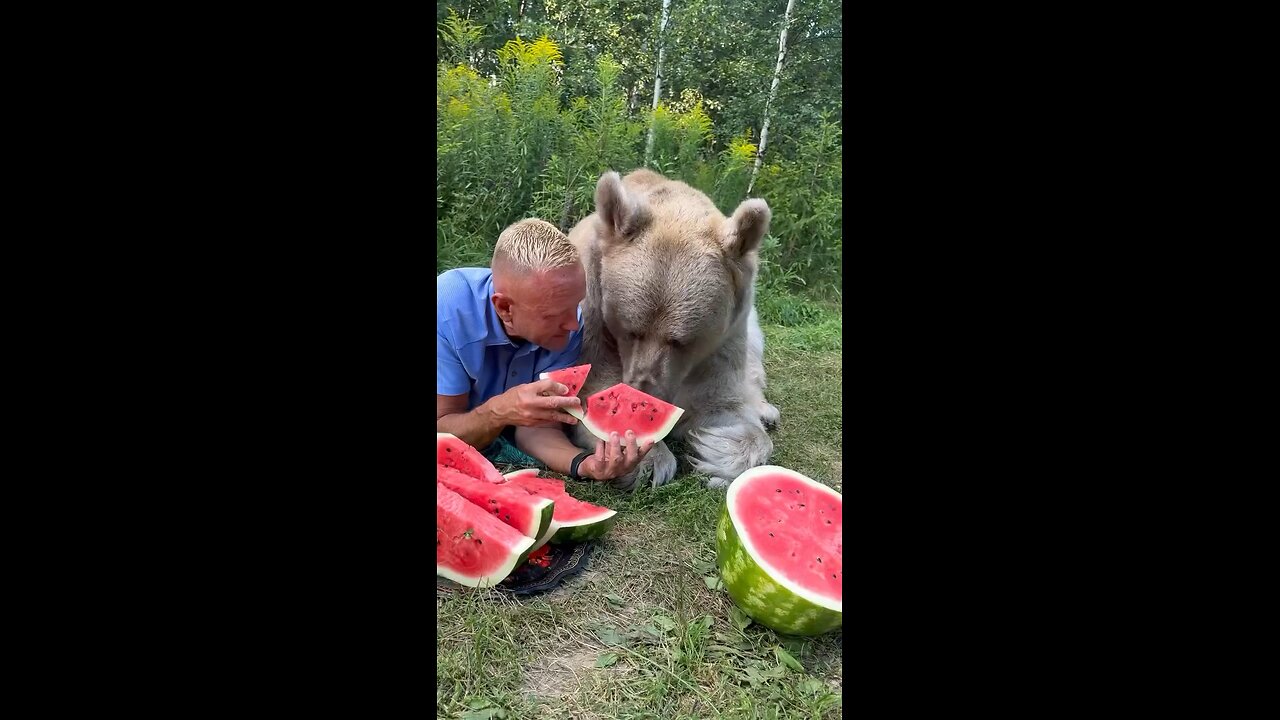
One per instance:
(773, 92)
(657, 78)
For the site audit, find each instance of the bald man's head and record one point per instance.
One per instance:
(538, 282)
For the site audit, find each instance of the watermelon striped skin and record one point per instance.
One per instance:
(761, 594)
(583, 533)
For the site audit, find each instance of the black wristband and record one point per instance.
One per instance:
(573, 466)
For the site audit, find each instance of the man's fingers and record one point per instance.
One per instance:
(615, 450)
(557, 402)
(548, 387)
(560, 417)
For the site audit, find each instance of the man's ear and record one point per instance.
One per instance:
(620, 213)
(502, 304)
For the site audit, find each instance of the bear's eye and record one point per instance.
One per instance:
(675, 343)
(637, 336)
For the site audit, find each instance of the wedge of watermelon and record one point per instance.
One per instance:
(573, 519)
(571, 377)
(452, 452)
(622, 408)
(779, 546)
(527, 513)
(533, 473)
(472, 548)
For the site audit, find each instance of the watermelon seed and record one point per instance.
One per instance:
(819, 560)
(801, 504)
(770, 534)
(777, 491)
(833, 574)
(479, 541)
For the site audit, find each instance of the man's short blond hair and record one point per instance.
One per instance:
(532, 245)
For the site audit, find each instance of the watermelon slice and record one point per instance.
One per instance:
(779, 546)
(571, 377)
(622, 408)
(452, 452)
(573, 519)
(529, 514)
(533, 473)
(471, 547)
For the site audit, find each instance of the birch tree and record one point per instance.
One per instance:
(657, 77)
(773, 93)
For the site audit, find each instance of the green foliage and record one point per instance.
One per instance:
(526, 126)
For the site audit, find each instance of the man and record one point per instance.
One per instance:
(496, 329)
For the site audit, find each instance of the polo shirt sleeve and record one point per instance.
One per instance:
(451, 377)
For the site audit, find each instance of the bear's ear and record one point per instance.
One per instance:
(621, 212)
(743, 232)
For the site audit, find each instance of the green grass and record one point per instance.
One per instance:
(647, 631)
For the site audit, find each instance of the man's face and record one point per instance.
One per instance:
(541, 307)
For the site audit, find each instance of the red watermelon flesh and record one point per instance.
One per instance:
(795, 528)
(573, 520)
(571, 377)
(514, 506)
(780, 550)
(529, 479)
(452, 452)
(622, 408)
(471, 547)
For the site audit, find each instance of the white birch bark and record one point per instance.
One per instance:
(657, 78)
(773, 93)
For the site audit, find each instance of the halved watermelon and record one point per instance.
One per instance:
(452, 452)
(471, 547)
(571, 377)
(779, 546)
(622, 408)
(573, 519)
(527, 513)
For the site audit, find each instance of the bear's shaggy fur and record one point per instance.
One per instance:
(670, 311)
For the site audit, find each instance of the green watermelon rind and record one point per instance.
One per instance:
(580, 530)
(585, 529)
(552, 526)
(664, 430)
(765, 595)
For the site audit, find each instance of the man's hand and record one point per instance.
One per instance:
(535, 404)
(614, 458)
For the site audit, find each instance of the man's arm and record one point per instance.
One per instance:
(476, 428)
(613, 459)
(522, 405)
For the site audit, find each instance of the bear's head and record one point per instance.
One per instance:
(673, 277)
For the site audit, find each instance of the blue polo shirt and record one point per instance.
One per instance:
(473, 353)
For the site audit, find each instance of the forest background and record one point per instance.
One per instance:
(536, 98)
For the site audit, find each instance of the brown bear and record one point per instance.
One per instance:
(670, 311)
